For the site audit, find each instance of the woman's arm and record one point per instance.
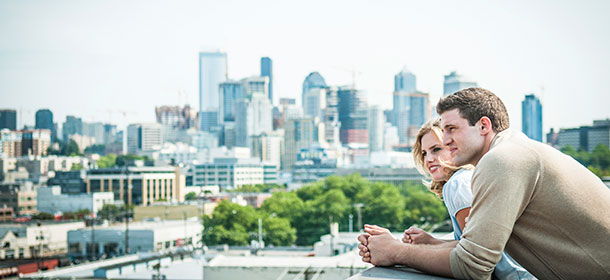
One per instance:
(460, 216)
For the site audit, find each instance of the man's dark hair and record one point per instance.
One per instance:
(475, 103)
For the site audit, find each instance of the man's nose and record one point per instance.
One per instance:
(446, 139)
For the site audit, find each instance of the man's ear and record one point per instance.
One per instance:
(486, 126)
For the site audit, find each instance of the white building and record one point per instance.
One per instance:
(33, 240)
(234, 172)
(315, 103)
(50, 200)
(254, 117)
(269, 147)
(144, 137)
(141, 237)
(375, 125)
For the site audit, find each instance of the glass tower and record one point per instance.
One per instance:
(267, 71)
(212, 72)
(531, 118)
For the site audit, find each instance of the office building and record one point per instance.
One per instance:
(8, 119)
(405, 81)
(313, 80)
(376, 123)
(72, 125)
(254, 119)
(230, 92)
(314, 103)
(144, 137)
(52, 201)
(139, 237)
(267, 71)
(175, 120)
(35, 240)
(352, 111)
(230, 173)
(44, 120)
(95, 131)
(10, 143)
(411, 111)
(455, 82)
(299, 133)
(268, 147)
(20, 197)
(35, 142)
(138, 185)
(212, 72)
(70, 182)
(585, 137)
(531, 117)
(330, 118)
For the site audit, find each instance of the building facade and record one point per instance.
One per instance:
(20, 197)
(376, 123)
(267, 71)
(138, 185)
(144, 137)
(51, 200)
(455, 82)
(35, 240)
(531, 117)
(230, 173)
(352, 111)
(44, 120)
(8, 119)
(212, 72)
(313, 80)
(585, 138)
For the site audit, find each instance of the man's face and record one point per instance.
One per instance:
(465, 142)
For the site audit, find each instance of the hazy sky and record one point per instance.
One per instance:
(96, 59)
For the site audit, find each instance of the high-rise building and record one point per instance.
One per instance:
(175, 121)
(531, 117)
(332, 125)
(95, 131)
(8, 119)
(35, 142)
(212, 72)
(455, 82)
(44, 120)
(255, 117)
(315, 103)
(405, 81)
(267, 71)
(10, 143)
(411, 111)
(72, 125)
(313, 80)
(375, 126)
(230, 92)
(298, 133)
(144, 137)
(255, 84)
(352, 111)
(268, 147)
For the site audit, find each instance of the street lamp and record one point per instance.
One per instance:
(358, 207)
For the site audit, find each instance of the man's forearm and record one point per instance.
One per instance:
(432, 259)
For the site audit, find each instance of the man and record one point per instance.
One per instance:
(551, 214)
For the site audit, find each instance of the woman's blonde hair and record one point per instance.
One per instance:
(434, 186)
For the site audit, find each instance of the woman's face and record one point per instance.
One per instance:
(434, 152)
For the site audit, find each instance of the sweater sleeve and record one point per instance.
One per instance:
(503, 184)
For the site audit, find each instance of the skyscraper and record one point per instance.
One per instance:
(298, 133)
(212, 72)
(144, 137)
(352, 116)
(313, 80)
(315, 103)
(531, 117)
(230, 92)
(412, 110)
(8, 119)
(72, 125)
(405, 81)
(44, 120)
(255, 117)
(455, 82)
(267, 71)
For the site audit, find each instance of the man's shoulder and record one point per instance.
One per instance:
(514, 149)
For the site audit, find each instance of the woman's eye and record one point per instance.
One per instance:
(436, 149)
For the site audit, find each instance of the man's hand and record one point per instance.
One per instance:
(382, 249)
(364, 252)
(418, 236)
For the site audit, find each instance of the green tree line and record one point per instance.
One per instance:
(597, 161)
(301, 217)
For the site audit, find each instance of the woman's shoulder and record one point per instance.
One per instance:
(461, 176)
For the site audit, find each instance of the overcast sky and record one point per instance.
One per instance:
(114, 61)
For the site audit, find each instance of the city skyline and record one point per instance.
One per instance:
(119, 71)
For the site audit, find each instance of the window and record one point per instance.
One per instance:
(167, 244)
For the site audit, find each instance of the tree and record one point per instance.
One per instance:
(107, 161)
(99, 149)
(110, 212)
(76, 166)
(190, 196)
(277, 231)
(230, 224)
(70, 148)
(283, 204)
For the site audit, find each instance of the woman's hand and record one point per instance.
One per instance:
(418, 236)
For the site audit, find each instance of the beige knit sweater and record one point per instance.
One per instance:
(547, 211)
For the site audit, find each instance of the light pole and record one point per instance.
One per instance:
(358, 207)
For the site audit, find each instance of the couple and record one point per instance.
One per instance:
(546, 210)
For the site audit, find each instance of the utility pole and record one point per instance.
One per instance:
(126, 229)
(358, 207)
(185, 235)
(332, 249)
(351, 222)
(93, 236)
(260, 233)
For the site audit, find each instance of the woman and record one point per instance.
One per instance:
(452, 184)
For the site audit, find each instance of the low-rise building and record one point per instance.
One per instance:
(51, 200)
(20, 197)
(138, 185)
(35, 240)
(140, 237)
(71, 182)
(231, 173)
